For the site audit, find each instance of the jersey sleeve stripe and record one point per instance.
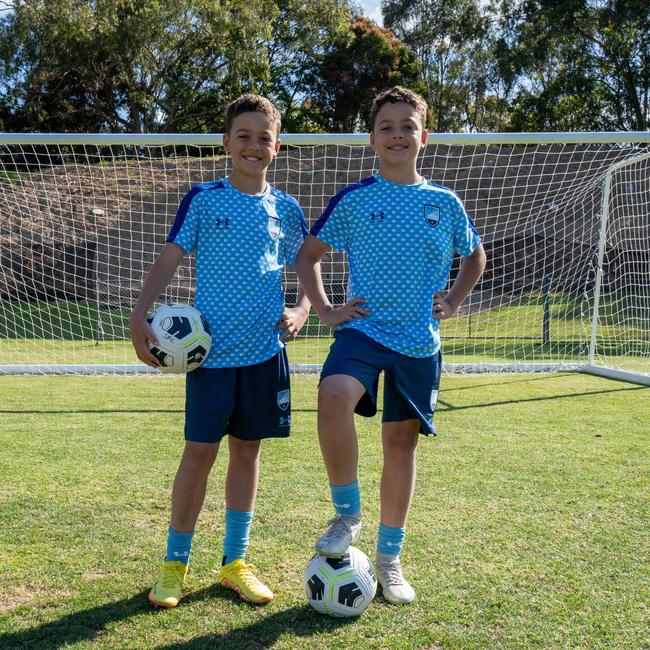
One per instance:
(293, 201)
(185, 206)
(335, 200)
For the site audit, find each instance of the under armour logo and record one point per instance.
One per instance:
(222, 222)
(285, 421)
(377, 216)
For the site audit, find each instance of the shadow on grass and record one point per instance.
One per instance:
(78, 626)
(91, 624)
(294, 622)
(443, 404)
(528, 400)
(498, 380)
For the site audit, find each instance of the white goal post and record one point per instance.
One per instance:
(564, 217)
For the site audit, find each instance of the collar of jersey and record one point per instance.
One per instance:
(254, 197)
(380, 178)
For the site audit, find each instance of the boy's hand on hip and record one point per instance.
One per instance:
(441, 308)
(291, 323)
(140, 334)
(348, 312)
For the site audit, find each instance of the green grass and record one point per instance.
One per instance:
(529, 527)
(66, 321)
(9, 176)
(82, 333)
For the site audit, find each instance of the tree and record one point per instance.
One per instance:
(358, 65)
(302, 31)
(452, 43)
(130, 65)
(583, 64)
(156, 65)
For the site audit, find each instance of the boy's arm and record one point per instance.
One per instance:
(470, 271)
(157, 279)
(309, 272)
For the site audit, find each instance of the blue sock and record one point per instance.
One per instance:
(179, 546)
(235, 543)
(346, 499)
(390, 540)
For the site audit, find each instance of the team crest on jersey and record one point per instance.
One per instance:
(284, 399)
(432, 215)
(275, 227)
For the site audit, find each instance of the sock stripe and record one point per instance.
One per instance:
(346, 498)
(390, 540)
(179, 546)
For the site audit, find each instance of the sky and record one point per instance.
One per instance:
(372, 9)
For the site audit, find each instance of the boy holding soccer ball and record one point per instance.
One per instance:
(400, 233)
(243, 231)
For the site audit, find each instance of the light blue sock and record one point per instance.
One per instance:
(235, 543)
(179, 546)
(390, 540)
(346, 499)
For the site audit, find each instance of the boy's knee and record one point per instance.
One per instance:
(246, 451)
(199, 454)
(335, 396)
(400, 439)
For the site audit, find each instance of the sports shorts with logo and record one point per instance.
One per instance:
(247, 402)
(411, 384)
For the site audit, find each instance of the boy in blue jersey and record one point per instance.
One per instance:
(400, 233)
(243, 231)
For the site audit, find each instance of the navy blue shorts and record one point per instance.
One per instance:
(248, 402)
(411, 384)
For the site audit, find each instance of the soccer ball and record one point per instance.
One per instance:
(184, 337)
(342, 586)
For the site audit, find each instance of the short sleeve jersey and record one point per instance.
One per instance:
(400, 241)
(242, 241)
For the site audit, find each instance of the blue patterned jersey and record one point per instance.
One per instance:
(242, 242)
(400, 241)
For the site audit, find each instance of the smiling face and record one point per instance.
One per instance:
(252, 143)
(397, 135)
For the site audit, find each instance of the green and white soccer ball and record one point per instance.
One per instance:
(342, 586)
(184, 337)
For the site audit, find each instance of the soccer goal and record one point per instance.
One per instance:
(565, 220)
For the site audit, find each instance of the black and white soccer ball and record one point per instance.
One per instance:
(184, 337)
(342, 586)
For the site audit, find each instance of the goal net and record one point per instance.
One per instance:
(564, 218)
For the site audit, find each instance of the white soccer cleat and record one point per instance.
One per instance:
(343, 531)
(395, 587)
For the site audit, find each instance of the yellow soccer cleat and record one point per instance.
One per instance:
(240, 578)
(166, 592)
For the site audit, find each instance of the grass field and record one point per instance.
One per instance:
(79, 333)
(529, 527)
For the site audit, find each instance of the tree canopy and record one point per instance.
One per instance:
(482, 65)
(355, 67)
(582, 64)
